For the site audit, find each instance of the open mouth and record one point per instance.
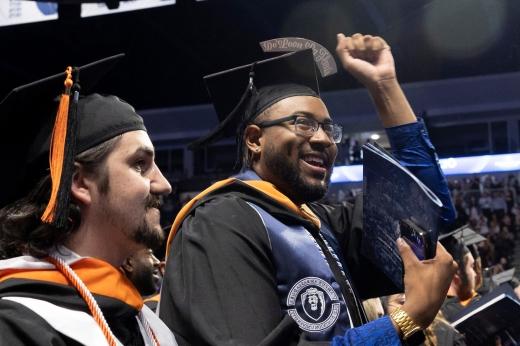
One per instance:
(314, 161)
(319, 162)
(156, 273)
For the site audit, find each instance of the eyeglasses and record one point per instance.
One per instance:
(307, 127)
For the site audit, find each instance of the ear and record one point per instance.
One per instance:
(81, 186)
(457, 280)
(253, 138)
(128, 265)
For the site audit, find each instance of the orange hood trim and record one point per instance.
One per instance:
(265, 187)
(99, 276)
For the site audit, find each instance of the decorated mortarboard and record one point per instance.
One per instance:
(46, 134)
(240, 94)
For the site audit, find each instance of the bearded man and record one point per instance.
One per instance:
(245, 253)
(144, 270)
(66, 238)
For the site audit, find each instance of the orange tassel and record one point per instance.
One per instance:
(57, 148)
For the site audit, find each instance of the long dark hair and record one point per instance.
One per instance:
(22, 232)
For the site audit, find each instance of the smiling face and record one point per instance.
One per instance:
(299, 166)
(143, 269)
(130, 205)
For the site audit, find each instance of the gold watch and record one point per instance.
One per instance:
(405, 324)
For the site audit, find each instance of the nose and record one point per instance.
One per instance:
(159, 184)
(156, 262)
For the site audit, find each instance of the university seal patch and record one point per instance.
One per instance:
(313, 304)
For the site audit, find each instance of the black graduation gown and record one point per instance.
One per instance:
(19, 325)
(220, 286)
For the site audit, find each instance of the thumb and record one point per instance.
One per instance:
(407, 254)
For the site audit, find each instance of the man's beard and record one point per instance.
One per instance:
(146, 234)
(288, 171)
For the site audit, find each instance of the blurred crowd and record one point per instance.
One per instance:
(488, 203)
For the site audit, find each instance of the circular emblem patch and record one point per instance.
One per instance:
(313, 304)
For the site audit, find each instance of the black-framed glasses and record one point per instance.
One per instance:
(307, 126)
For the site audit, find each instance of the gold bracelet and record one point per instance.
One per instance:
(405, 324)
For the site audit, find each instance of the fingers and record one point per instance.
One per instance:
(442, 255)
(359, 42)
(376, 43)
(441, 252)
(407, 254)
(360, 46)
(344, 45)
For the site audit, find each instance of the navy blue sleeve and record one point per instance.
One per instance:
(411, 145)
(378, 332)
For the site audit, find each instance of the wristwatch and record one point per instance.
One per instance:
(405, 324)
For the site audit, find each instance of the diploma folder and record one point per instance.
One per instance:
(496, 313)
(391, 194)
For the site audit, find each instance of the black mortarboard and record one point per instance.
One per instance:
(242, 93)
(464, 234)
(459, 241)
(28, 112)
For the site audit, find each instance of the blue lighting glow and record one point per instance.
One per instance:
(450, 166)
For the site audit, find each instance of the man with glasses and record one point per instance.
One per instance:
(305, 125)
(254, 259)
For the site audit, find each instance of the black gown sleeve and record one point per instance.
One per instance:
(219, 286)
(19, 326)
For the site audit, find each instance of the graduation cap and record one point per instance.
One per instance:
(43, 138)
(464, 234)
(240, 94)
(460, 242)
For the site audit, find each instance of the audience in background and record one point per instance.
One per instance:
(144, 270)
(146, 273)
(462, 290)
(488, 203)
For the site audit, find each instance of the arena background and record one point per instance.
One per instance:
(458, 61)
